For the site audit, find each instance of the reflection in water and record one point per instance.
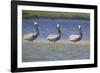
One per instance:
(50, 52)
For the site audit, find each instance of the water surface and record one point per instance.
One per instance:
(43, 50)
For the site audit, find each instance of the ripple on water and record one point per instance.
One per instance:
(49, 52)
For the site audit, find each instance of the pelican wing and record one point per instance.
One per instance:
(74, 37)
(29, 35)
(53, 36)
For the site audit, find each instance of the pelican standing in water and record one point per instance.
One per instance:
(32, 36)
(55, 37)
(75, 38)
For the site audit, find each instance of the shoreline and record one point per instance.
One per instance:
(28, 14)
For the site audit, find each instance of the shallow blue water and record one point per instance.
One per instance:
(48, 26)
(49, 52)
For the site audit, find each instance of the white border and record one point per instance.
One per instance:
(53, 63)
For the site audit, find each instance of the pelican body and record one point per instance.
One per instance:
(32, 36)
(55, 37)
(75, 38)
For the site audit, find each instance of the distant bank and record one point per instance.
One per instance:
(28, 14)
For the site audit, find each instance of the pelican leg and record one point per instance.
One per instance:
(56, 45)
(50, 43)
(76, 46)
(34, 41)
(53, 44)
(71, 44)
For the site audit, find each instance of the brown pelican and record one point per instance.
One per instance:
(75, 38)
(32, 36)
(55, 37)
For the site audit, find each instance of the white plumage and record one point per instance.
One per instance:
(32, 36)
(73, 37)
(29, 35)
(76, 38)
(53, 36)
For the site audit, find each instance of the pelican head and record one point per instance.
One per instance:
(79, 27)
(80, 30)
(58, 28)
(35, 24)
(58, 25)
